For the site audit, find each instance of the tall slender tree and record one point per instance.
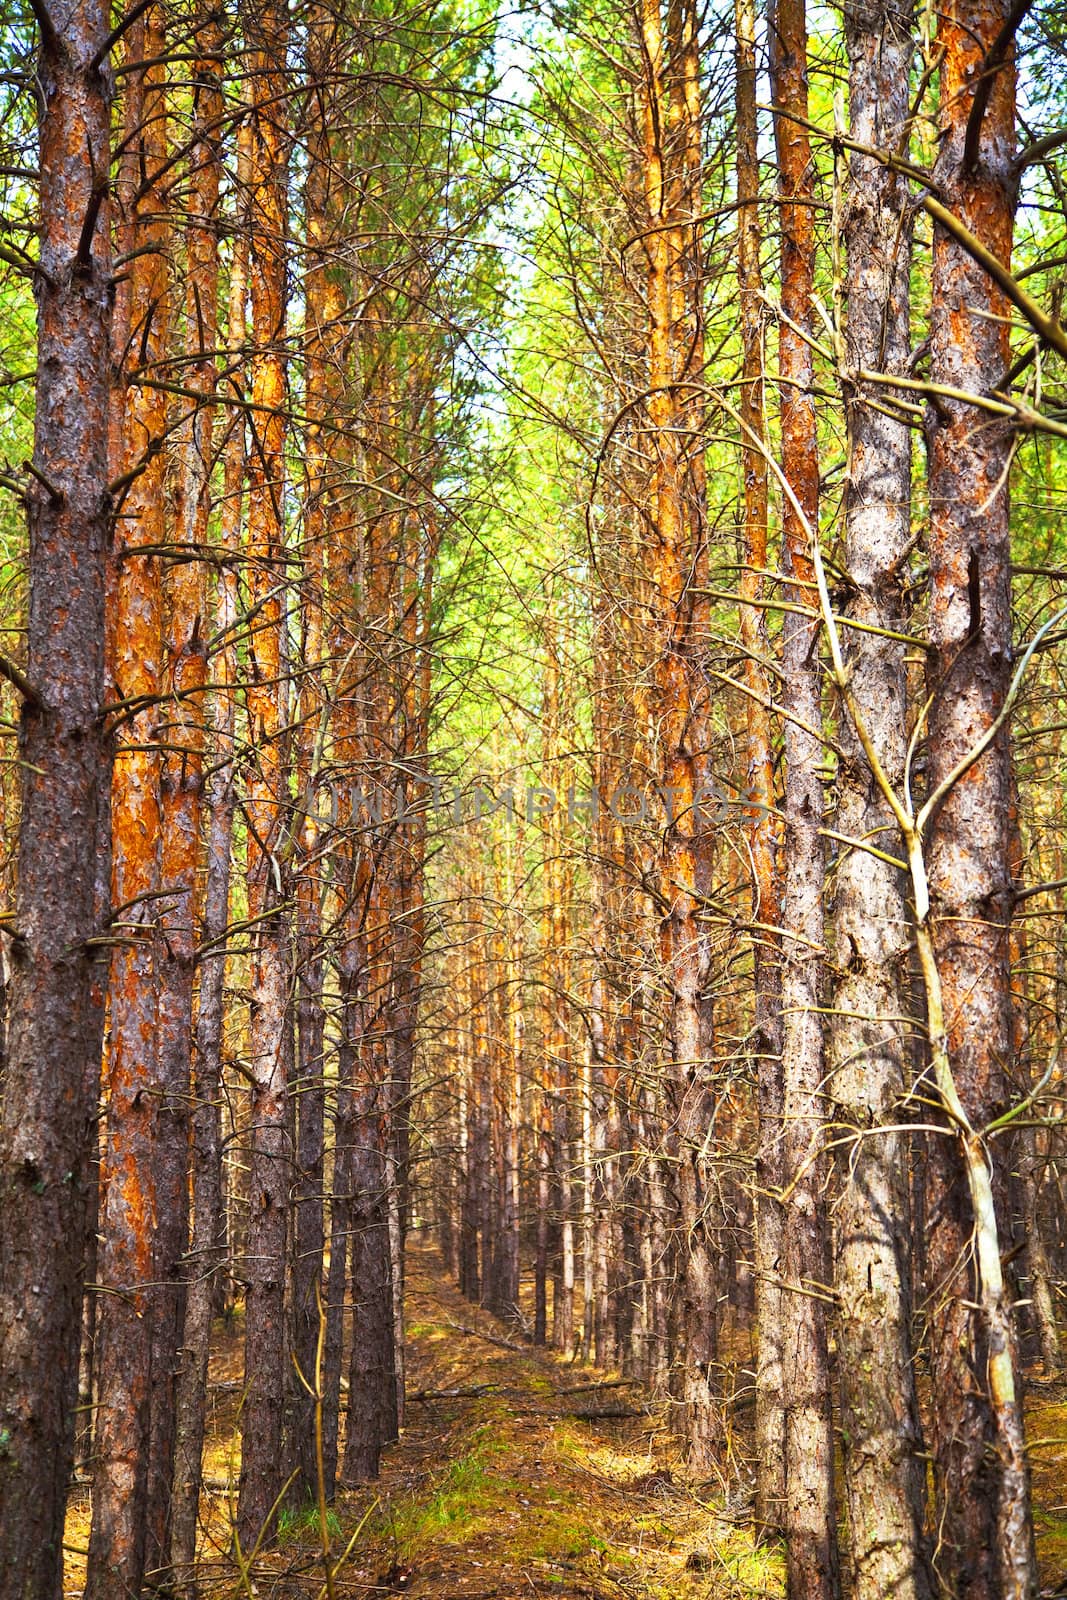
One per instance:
(985, 1544)
(183, 676)
(206, 1254)
(762, 822)
(135, 1155)
(809, 1521)
(263, 1458)
(55, 1002)
(884, 1476)
(670, 112)
(323, 358)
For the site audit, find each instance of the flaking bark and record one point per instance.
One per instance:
(985, 1539)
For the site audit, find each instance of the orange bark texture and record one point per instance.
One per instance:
(128, 1210)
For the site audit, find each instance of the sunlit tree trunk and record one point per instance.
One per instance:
(762, 817)
(324, 351)
(985, 1542)
(181, 775)
(669, 97)
(133, 1162)
(207, 1235)
(55, 1003)
(809, 1520)
(884, 1472)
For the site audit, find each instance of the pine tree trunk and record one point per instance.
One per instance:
(544, 1204)
(181, 778)
(985, 1545)
(669, 98)
(323, 308)
(55, 1000)
(884, 1472)
(762, 819)
(134, 1161)
(207, 1249)
(370, 1414)
(1040, 1313)
(340, 1218)
(266, 1362)
(809, 1522)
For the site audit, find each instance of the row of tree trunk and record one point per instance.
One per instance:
(226, 696)
(882, 1033)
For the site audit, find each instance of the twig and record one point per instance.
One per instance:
(18, 679)
(491, 1338)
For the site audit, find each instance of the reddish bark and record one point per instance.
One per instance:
(181, 775)
(132, 1162)
(670, 106)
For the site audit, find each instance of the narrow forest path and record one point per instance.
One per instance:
(520, 1474)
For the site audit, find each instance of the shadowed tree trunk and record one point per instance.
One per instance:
(55, 1002)
(263, 1460)
(985, 1542)
(323, 355)
(371, 1376)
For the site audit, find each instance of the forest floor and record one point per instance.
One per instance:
(539, 1477)
(519, 1475)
